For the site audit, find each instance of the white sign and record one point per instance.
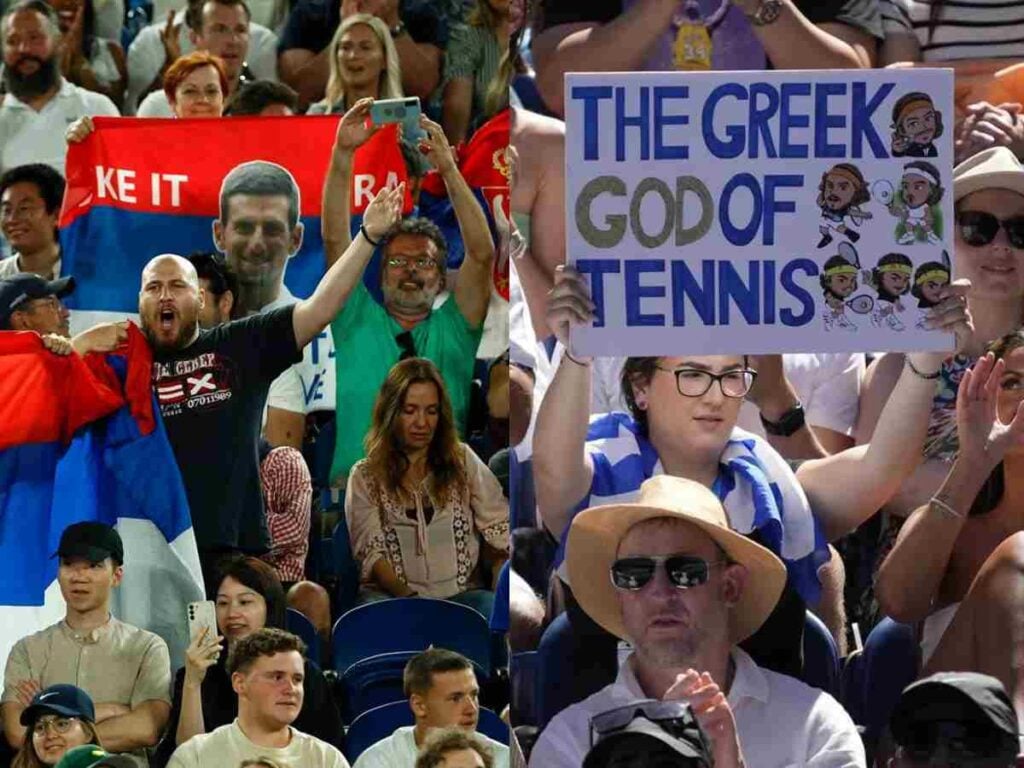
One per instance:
(757, 212)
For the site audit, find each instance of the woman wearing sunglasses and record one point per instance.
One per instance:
(682, 422)
(59, 718)
(989, 249)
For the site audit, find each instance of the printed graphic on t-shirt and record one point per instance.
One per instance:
(197, 384)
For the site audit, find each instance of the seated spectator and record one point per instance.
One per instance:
(669, 575)
(616, 36)
(682, 422)
(249, 598)
(472, 61)
(454, 748)
(221, 29)
(955, 718)
(266, 670)
(418, 28)
(371, 338)
(264, 98)
(29, 303)
(159, 45)
(40, 103)
(424, 512)
(443, 693)
(88, 60)
(363, 64)
(30, 200)
(60, 718)
(128, 669)
(649, 733)
(287, 494)
(955, 561)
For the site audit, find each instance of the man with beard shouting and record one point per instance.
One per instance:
(40, 104)
(211, 384)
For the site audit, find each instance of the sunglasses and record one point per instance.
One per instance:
(960, 744)
(674, 717)
(979, 228)
(684, 571)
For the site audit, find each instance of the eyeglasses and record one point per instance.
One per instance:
(684, 571)
(693, 382)
(61, 725)
(958, 744)
(979, 228)
(420, 265)
(674, 717)
(406, 344)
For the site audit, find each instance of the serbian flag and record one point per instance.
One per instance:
(137, 188)
(484, 163)
(82, 440)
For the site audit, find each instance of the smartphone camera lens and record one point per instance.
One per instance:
(400, 112)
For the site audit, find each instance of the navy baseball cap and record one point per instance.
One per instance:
(24, 287)
(65, 700)
(93, 541)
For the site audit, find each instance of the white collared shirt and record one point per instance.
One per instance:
(27, 136)
(780, 721)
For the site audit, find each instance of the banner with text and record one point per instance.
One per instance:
(757, 212)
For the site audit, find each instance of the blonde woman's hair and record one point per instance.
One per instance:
(390, 83)
(482, 15)
(27, 757)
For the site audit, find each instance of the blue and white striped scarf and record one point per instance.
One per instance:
(755, 484)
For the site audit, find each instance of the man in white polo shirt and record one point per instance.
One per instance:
(40, 104)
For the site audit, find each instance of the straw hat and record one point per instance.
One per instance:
(996, 168)
(595, 535)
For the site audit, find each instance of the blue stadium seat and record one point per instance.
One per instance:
(345, 568)
(410, 624)
(380, 722)
(522, 502)
(821, 656)
(525, 684)
(297, 623)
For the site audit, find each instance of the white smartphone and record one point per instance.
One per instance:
(202, 614)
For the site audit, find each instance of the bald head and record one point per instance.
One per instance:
(170, 299)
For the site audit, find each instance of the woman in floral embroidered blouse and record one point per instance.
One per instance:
(424, 512)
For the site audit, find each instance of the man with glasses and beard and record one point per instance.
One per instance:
(39, 104)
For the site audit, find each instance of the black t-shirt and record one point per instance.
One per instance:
(211, 396)
(312, 23)
(318, 717)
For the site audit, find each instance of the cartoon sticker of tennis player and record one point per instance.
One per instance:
(891, 280)
(915, 126)
(841, 194)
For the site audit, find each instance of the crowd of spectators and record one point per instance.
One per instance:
(624, 562)
(349, 462)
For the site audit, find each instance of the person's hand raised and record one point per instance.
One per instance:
(384, 210)
(355, 128)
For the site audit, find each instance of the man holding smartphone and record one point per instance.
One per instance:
(125, 670)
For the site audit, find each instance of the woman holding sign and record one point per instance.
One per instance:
(683, 412)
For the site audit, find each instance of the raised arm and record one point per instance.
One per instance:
(473, 289)
(562, 471)
(912, 573)
(849, 487)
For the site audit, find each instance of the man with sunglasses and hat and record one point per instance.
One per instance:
(669, 575)
(30, 303)
(125, 670)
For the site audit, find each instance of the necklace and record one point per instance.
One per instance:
(691, 50)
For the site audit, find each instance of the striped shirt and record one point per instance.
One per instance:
(965, 29)
(755, 485)
(287, 493)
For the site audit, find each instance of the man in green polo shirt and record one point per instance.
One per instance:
(369, 337)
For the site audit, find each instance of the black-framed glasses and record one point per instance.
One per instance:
(981, 228)
(674, 717)
(684, 571)
(406, 344)
(61, 725)
(958, 744)
(694, 382)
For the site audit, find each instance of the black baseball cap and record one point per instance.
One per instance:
(24, 287)
(91, 540)
(976, 704)
(64, 700)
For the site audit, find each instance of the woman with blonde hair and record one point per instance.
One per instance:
(60, 718)
(422, 509)
(364, 63)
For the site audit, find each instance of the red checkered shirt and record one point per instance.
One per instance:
(287, 493)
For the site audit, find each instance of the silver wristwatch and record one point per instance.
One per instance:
(767, 12)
